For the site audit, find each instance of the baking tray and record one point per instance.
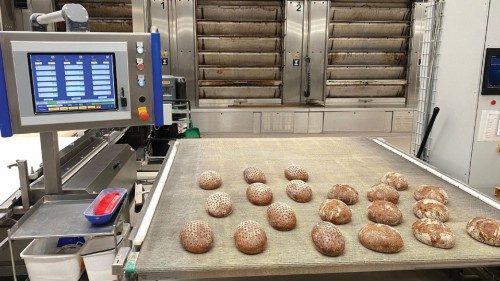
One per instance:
(357, 161)
(61, 216)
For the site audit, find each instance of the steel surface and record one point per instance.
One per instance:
(357, 161)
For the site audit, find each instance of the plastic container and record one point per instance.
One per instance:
(104, 218)
(98, 255)
(45, 262)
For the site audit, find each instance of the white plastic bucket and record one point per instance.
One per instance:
(44, 263)
(98, 255)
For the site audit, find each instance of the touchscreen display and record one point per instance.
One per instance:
(73, 82)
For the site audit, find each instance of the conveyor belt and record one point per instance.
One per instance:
(359, 162)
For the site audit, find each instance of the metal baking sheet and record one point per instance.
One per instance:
(357, 161)
(60, 216)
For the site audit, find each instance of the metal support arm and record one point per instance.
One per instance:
(75, 16)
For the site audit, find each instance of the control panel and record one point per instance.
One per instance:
(66, 81)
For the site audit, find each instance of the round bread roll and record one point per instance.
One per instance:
(383, 192)
(485, 230)
(281, 216)
(433, 233)
(197, 237)
(219, 205)
(395, 180)
(296, 172)
(380, 238)
(250, 238)
(209, 180)
(328, 239)
(299, 191)
(253, 174)
(259, 194)
(384, 212)
(427, 191)
(335, 211)
(344, 193)
(431, 209)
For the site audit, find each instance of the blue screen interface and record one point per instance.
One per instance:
(73, 82)
(494, 73)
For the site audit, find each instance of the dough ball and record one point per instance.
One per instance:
(385, 212)
(299, 191)
(253, 174)
(485, 230)
(250, 238)
(327, 239)
(380, 238)
(344, 193)
(335, 211)
(209, 180)
(197, 237)
(296, 172)
(383, 192)
(259, 194)
(433, 233)
(395, 180)
(431, 209)
(219, 205)
(427, 191)
(281, 216)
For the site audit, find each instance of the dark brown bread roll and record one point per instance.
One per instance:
(197, 237)
(335, 211)
(259, 194)
(219, 204)
(433, 192)
(299, 191)
(383, 192)
(433, 233)
(344, 193)
(431, 209)
(296, 172)
(250, 238)
(385, 212)
(328, 239)
(253, 174)
(281, 216)
(395, 180)
(209, 180)
(380, 238)
(485, 230)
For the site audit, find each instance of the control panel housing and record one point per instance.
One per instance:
(67, 81)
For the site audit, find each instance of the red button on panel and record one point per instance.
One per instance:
(143, 114)
(140, 66)
(493, 102)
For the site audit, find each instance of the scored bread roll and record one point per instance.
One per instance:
(433, 233)
(395, 180)
(431, 209)
(380, 238)
(335, 211)
(253, 175)
(433, 192)
(485, 230)
(296, 172)
(209, 180)
(383, 192)
(219, 205)
(384, 212)
(259, 194)
(281, 216)
(250, 238)
(344, 193)
(328, 239)
(299, 191)
(197, 237)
